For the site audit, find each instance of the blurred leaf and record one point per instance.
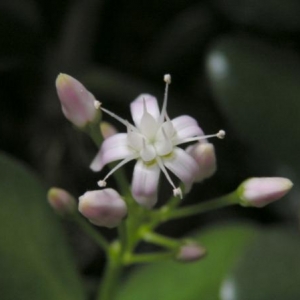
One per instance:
(269, 15)
(269, 269)
(179, 41)
(20, 30)
(25, 12)
(257, 87)
(35, 263)
(201, 280)
(109, 83)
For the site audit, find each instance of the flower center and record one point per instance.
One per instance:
(152, 140)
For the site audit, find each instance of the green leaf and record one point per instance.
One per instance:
(268, 269)
(268, 15)
(201, 280)
(35, 263)
(257, 87)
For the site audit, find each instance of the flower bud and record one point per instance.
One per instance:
(259, 192)
(204, 154)
(107, 129)
(103, 207)
(191, 252)
(76, 101)
(61, 201)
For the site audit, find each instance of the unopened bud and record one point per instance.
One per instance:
(103, 207)
(76, 101)
(107, 129)
(259, 192)
(204, 154)
(191, 252)
(61, 201)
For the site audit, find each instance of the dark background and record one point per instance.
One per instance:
(120, 49)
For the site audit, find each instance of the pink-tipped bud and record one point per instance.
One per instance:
(107, 129)
(61, 201)
(191, 252)
(204, 154)
(78, 104)
(259, 192)
(103, 207)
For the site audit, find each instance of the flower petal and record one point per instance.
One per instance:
(137, 108)
(148, 126)
(148, 153)
(113, 148)
(145, 183)
(183, 166)
(185, 127)
(135, 140)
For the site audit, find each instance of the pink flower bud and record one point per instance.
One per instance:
(107, 129)
(191, 252)
(103, 207)
(259, 192)
(78, 104)
(204, 154)
(61, 201)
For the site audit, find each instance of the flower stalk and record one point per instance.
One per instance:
(217, 203)
(112, 273)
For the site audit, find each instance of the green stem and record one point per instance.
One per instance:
(155, 238)
(227, 200)
(121, 180)
(112, 274)
(91, 232)
(149, 258)
(93, 130)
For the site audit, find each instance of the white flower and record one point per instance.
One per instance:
(153, 142)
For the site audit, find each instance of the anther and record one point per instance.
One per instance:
(178, 192)
(167, 78)
(221, 134)
(102, 183)
(97, 104)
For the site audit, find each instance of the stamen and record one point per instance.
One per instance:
(121, 120)
(176, 191)
(167, 80)
(97, 104)
(130, 127)
(220, 134)
(102, 183)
